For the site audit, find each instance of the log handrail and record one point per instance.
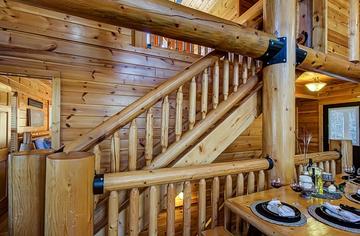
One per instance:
(173, 20)
(126, 115)
(316, 157)
(146, 178)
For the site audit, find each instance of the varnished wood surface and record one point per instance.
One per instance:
(241, 206)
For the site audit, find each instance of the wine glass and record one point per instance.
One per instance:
(276, 183)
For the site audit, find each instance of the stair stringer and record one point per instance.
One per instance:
(224, 134)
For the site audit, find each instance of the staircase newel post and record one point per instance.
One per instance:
(69, 195)
(279, 90)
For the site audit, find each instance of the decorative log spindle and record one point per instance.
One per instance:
(115, 153)
(227, 194)
(187, 209)
(170, 220)
(179, 113)
(215, 201)
(133, 140)
(165, 124)
(216, 76)
(202, 206)
(113, 215)
(154, 199)
(226, 78)
(192, 103)
(204, 93)
(149, 136)
(244, 70)
(134, 212)
(236, 73)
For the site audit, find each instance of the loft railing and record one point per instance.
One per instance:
(170, 177)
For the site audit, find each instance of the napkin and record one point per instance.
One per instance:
(339, 213)
(280, 209)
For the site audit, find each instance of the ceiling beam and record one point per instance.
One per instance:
(176, 21)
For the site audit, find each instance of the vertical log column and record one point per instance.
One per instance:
(354, 37)
(27, 192)
(279, 91)
(69, 194)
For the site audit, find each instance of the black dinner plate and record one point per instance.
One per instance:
(322, 213)
(356, 197)
(262, 209)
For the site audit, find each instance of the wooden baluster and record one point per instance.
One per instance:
(227, 194)
(204, 93)
(216, 76)
(251, 183)
(113, 217)
(236, 73)
(202, 206)
(239, 192)
(179, 112)
(192, 103)
(133, 140)
(187, 209)
(153, 213)
(149, 137)
(321, 165)
(215, 201)
(134, 212)
(253, 67)
(170, 220)
(244, 70)
(258, 65)
(165, 124)
(261, 181)
(226, 78)
(115, 153)
(333, 168)
(327, 166)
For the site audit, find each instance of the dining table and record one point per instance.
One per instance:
(241, 206)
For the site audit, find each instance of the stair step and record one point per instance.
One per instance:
(217, 231)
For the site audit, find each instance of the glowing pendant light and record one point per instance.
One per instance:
(316, 86)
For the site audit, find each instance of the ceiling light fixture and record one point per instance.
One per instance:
(315, 86)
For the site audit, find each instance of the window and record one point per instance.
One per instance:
(344, 124)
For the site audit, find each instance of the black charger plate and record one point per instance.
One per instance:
(322, 213)
(356, 197)
(262, 209)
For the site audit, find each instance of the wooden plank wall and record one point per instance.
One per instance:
(101, 73)
(30, 88)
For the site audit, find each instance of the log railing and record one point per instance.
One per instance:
(153, 40)
(323, 160)
(236, 172)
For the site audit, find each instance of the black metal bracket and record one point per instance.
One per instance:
(98, 185)
(276, 52)
(271, 162)
(300, 55)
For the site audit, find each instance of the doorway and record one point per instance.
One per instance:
(341, 121)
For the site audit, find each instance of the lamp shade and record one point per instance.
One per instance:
(316, 86)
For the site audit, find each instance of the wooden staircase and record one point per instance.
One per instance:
(216, 116)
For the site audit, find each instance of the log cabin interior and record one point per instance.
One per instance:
(163, 117)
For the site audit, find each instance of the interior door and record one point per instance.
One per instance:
(5, 110)
(341, 121)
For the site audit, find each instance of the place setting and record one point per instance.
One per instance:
(277, 212)
(342, 217)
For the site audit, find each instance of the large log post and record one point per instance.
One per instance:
(69, 194)
(279, 91)
(27, 192)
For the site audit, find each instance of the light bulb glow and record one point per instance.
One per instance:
(316, 86)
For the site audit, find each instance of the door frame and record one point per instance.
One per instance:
(54, 76)
(7, 109)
